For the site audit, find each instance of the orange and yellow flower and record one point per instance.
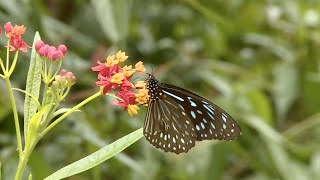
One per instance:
(112, 76)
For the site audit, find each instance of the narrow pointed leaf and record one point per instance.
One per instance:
(32, 86)
(97, 157)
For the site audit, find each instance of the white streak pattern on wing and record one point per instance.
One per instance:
(172, 95)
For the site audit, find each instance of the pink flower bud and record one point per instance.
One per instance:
(74, 79)
(51, 51)
(69, 76)
(63, 49)
(43, 51)
(57, 55)
(39, 44)
(8, 27)
(63, 72)
(62, 80)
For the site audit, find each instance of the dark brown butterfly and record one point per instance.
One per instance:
(177, 118)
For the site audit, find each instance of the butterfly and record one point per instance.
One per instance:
(176, 118)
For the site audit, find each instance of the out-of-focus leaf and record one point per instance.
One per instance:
(315, 165)
(259, 125)
(288, 168)
(37, 161)
(113, 16)
(303, 126)
(285, 87)
(97, 157)
(217, 82)
(260, 105)
(269, 44)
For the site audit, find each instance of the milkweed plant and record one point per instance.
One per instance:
(48, 84)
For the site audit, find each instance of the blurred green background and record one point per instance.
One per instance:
(258, 60)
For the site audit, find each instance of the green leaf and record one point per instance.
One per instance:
(33, 85)
(35, 122)
(97, 157)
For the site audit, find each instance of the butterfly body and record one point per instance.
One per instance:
(177, 118)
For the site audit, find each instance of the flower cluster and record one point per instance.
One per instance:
(14, 33)
(50, 52)
(112, 76)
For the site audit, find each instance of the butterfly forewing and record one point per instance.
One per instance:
(176, 118)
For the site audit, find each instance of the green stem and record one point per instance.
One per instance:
(48, 117)
(69, 112)
(2, 67)
(57, 71)
(44, 98)
(8, 53)
(15, 115)
(24, 158)
(13, 63)
(50, 72)
(64, 95)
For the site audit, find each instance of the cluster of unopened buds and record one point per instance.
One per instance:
(62, 84)
(50, 52)
(112, 76)
(64, 79)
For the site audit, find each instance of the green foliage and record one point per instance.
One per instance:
(259, 60)
(32, 86)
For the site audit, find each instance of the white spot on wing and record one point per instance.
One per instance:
(204, 120)
(191, 102)
(202, 125)
(198, 128)
(193, 114)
